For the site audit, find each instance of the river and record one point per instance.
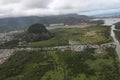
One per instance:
(115, 40)
(111, 22)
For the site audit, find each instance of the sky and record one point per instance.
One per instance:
(16, 8)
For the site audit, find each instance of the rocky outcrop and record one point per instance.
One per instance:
(37, 32)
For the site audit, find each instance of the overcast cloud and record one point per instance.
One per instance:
(13, 8)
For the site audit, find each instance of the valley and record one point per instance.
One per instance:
(59, 40)
(73, 53)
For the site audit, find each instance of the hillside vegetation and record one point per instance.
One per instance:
(89, 35)
(117, 25)
(36, 32)
(117, 34)
(57, 65)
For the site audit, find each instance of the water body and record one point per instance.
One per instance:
(115, 40)
(111, 22)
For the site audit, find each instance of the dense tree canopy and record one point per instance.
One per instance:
(58, 65)
(37, 28)
(37, 32)
(117, 25)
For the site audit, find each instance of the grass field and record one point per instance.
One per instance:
(89, 35)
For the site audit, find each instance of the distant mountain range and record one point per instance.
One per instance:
(108, 14)
(10, 24)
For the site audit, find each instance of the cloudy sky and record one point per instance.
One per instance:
(13, 8)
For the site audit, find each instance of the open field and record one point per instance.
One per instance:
(88, 35)
(57, 65)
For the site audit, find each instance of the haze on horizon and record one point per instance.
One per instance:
(16, 8)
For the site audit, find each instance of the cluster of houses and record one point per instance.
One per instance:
(8, 36)
(4, 37)
(6, 53)
(71, 47)
(59, 24)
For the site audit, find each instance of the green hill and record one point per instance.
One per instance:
(37, 32)
(57, 65)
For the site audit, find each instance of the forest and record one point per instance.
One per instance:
(58, 65)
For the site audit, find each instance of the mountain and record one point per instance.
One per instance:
(10, 24)
(37, 32)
